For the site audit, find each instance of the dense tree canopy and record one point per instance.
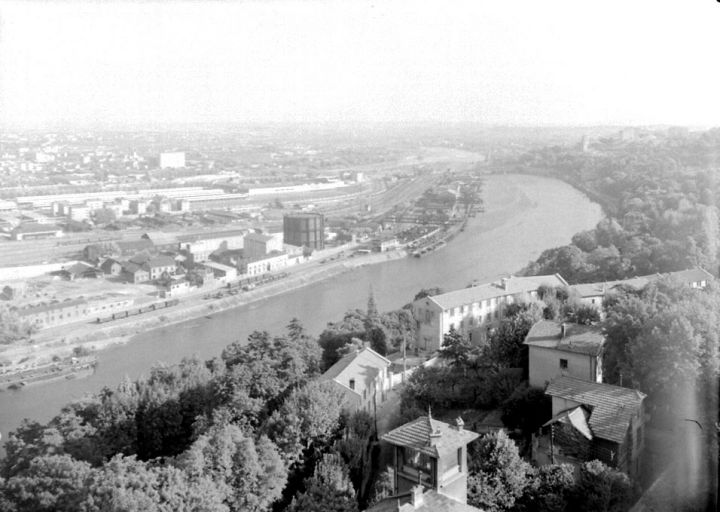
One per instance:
(660, 199)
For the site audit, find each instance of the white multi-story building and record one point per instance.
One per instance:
(473, 311)
(173, 160)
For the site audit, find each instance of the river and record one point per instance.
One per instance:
(524, 215)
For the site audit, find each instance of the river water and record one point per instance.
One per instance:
(524, 215)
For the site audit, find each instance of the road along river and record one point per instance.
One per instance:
(524, 215)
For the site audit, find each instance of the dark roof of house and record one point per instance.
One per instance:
(430, 436)
(80, 268)
(510, 286)
(432, 501)
(132, 267)
(140, 258)
(161, 261)
(611, 407)
(108, 263)
(581, 339)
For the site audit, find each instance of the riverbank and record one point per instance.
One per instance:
(524, 215)
(93, 338)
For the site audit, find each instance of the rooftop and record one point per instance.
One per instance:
(430, 436)
(432, 501)
(161, 261)
(581, 339)
(39, 308)
(361, 366)
(36, 228)
(260, 237)
(612, 407)
(507, 286)
(213, 235)
(692, 275)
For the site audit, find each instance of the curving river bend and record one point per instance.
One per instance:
(524, 215)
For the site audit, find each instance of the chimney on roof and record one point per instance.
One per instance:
(563, 330)
(504, 283)
(459, 423)
(416, 496)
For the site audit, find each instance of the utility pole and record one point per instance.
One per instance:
(404, 347)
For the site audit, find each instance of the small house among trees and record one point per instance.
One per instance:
(593, 421)
(364, 377)
(431, 466)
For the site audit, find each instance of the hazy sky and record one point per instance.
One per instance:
(487, 61)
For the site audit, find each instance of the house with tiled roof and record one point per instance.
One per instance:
(592, 294)
(363, 377)
(420, 499)
(111, 267)
(159, 265)
(590, 421)
(473, 311)
(78, 270)
(135, 273)
(430, 466)
(556, 349)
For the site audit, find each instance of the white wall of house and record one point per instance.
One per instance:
(545, 365)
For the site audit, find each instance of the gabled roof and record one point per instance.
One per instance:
(577, 417)
(433, 501)
(132, 268)
(107, 264)
(692, 275)
(509, 286)
(430, 436)
(361, 366)
(80, 268)
(161, 261)
(600, 289)
(580, 339)
(611, 407)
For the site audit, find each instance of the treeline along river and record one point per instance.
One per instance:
(524, 215)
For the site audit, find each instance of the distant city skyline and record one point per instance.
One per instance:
(520, 63)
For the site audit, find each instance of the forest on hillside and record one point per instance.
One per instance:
(660, 197)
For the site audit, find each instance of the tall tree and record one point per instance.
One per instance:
(456, 349)
(329, 489)
(497, 475)
(602, 489)
(249, 472)
(309, 415)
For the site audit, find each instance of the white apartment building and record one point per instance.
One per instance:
(473, 311)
